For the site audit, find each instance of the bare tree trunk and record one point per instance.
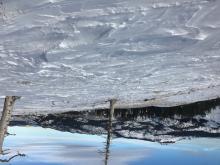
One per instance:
(108, 141)
(5, 119)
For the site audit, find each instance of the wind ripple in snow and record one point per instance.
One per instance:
(65, 54)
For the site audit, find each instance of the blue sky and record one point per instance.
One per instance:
(51, 147)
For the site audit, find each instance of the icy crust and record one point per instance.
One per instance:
(70, 54)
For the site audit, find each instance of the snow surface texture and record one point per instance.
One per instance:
(71, 54)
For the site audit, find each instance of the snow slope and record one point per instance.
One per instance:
(71, 54)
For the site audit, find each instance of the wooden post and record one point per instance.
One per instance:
(5, 119)
(109, 129)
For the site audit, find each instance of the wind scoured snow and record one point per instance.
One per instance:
(70, 54)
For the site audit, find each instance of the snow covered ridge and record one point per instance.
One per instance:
(157, 124)
(70, 54)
